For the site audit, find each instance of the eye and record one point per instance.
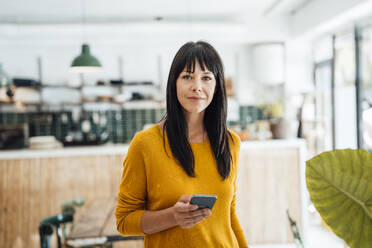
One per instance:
(207, 78)
(186, 76)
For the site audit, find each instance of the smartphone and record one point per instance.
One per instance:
(204, 201)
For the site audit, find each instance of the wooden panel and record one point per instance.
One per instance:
(110, 228)
(33, 189)
(129, 244)
(268, 184)
(94, 219)
(3, 174)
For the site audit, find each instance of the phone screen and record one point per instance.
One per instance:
(204, 201)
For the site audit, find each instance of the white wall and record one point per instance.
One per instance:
(140, 60)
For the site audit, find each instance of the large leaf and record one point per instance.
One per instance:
(340, 186)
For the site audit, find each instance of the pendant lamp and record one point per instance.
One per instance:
(85, 62)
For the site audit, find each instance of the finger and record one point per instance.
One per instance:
(181, 207)
(196, 213)
(204, 213)
(185, 198)
(208, 212)
(194, 221)
(199, 219)
(185, 227)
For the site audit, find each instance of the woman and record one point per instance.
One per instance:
(189, 152)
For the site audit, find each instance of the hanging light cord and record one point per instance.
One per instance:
(83, 20)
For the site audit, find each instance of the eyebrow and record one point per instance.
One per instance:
(204, 72)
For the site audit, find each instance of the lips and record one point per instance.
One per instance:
(195, 98)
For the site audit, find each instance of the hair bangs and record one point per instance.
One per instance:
(204, 59)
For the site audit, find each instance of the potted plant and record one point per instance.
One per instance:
(340, 187)
(278, 125)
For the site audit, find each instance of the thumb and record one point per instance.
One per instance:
(185, 198)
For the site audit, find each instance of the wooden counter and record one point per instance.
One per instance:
(271, 179)
(33, 188)
(34, 184)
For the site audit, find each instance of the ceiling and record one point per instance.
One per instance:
(71, 11)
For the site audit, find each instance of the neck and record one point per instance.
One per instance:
(195, 125)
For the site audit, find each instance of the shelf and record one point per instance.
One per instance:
(61, 86)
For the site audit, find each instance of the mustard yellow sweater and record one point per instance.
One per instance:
(153, 181)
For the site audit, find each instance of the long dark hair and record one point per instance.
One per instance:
(215, 114)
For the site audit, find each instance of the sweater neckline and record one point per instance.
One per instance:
(192, 144)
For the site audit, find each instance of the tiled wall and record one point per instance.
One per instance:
(121, 125)
(250, 114)
(53, 123)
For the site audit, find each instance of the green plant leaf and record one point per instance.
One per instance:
(340, 186)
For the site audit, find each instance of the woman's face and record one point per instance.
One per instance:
(195, 90)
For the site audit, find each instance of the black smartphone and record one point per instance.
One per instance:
(204, 201)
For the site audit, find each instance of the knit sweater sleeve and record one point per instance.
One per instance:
(132, 195)
(234, 219)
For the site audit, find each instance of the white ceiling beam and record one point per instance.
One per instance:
(320, 16)
(252, 32)
(284, 7)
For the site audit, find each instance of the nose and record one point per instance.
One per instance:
(196, 86)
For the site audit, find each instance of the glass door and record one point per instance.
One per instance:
(323, 105)
(345, 99)
(366, 89)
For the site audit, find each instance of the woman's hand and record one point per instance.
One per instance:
(187, 215)
(182, 214)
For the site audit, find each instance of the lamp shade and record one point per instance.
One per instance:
(85, 62)
(268, 63)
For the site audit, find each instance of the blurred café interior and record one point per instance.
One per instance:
(298, 79)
